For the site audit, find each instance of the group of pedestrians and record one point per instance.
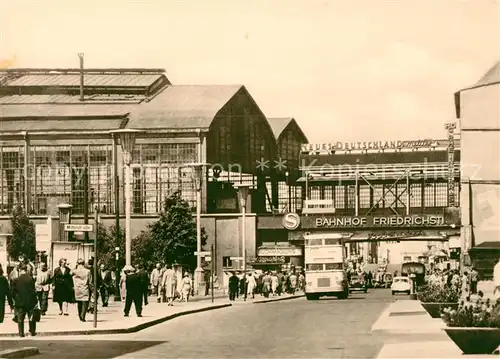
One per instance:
(27, 290)
(165, 284)
(465, 283)
(22, 298)
(264, 283)
(20, 292)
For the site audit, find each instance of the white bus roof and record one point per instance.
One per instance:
(324, 236)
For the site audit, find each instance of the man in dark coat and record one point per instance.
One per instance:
(4, 295)
(233, 286)
(106, 286)
(92, 301)
(25, 299)
(134, 288)
(143, 274)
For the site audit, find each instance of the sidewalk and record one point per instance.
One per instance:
(407, 318)
(111, 320)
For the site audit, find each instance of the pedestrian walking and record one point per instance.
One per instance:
(465, 284)
(25, 300)
(169, 284)
(63, 293)
(42, 286)
(286, 283)
(370, 279)
(281, 281)
(302, 282)
(293, 283)
(156, 280)
(208, 282)
(134, 287)
(81, 282)
(187, 284)
(251, 284)
(106, 284)
(30, 267)
(143, 274)
(123, 285)
(474, 277)
(233, 286)
(4, 294)
(242, 284)
(98, 282)
(266, 285)
(274, 284)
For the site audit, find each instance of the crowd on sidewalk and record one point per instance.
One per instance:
(26, 289)
(465, 283)
(270, 283)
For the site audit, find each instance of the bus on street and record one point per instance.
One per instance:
(324, 256)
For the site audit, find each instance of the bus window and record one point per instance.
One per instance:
(315, 242)
(333, 266)
(331, 241)
(314, 267)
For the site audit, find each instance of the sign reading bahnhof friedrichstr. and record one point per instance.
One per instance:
(379, 221)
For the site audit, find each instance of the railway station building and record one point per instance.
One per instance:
(54, 122)
(390, 199)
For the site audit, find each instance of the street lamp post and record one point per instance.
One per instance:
(243, 191)
(198, 181)
(127, 141)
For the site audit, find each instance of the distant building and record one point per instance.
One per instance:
(478, 108)
(389, 199)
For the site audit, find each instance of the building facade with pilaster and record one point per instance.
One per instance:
(478, 109)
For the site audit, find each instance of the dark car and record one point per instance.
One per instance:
(415, 270)
(358, 283)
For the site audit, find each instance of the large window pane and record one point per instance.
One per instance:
(11, 178)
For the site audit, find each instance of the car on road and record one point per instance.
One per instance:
(358, 283)
(401, 285)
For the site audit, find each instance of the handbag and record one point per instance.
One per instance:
(36, 314)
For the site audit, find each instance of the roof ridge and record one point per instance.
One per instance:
(207, 85)
(75, 71)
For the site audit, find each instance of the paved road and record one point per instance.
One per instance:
(291, 329)
(328, 328)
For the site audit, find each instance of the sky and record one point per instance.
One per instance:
(346, 70)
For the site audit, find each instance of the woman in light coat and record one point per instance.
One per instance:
(187, 284)
(123, 287)
(251, 284)
(81, 284)
(169, 283)
(274, 284)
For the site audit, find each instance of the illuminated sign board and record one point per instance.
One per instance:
(370, 145)
(380, 221)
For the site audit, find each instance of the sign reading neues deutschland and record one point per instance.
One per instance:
(370, 145)
(380, 221)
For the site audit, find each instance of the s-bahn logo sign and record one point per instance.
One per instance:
(291, 221)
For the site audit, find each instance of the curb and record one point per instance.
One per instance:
(279, 299)
(19, 352)
(134, 329)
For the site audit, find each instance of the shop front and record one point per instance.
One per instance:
(279, 257)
